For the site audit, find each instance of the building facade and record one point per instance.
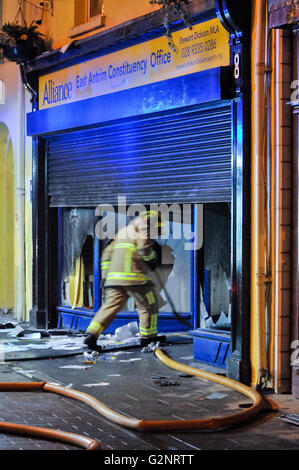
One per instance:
(283, 22)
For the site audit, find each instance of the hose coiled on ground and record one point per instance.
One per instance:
(214, 423)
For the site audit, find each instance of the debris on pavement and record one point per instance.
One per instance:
(16, 331)
(292, 418)
(126, 335)
(6, 326)
(216, 396)
(19, 342)
(126, 332)
(165, 381)
(99, 384)
(74, 366)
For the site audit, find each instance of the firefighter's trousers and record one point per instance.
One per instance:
(116, 298)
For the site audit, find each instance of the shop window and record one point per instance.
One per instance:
(77, 254)
(87, 256)
(176, 264)
(175, 270)
(215, 268)
(78, 286)
(81, 248)
(88, 16)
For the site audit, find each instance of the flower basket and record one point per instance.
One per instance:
(20, 43)
(19, 52)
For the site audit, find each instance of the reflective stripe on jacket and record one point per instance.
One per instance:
(124, 262)
(106, 259)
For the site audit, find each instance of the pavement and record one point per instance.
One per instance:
(137, 384)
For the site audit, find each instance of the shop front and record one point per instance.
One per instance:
(140, 125)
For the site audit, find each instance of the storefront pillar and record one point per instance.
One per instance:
(238, 365)
(39, 312)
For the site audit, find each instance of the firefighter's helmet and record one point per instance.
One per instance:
(154, 217)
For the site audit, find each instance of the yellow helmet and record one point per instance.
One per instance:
(152, 215)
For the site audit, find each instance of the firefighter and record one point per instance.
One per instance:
(126, 267)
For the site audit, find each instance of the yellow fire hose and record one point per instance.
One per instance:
(40, 432)
(133, 423)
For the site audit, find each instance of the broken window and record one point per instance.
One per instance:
(215, 268)
(80, 270)
(77, 239)
(175, 269)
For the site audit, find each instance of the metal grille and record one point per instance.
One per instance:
(174, 157)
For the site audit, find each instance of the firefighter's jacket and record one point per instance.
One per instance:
(124, 260)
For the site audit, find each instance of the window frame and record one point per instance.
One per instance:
(98, 291)
(89, 24)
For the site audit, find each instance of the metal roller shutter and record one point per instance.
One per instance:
(181, 156)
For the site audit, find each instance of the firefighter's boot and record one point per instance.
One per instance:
(91, 343)
(144, 341)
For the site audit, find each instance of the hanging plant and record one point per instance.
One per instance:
(176, 7)
(19, 42)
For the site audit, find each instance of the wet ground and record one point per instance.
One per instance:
(136, 384)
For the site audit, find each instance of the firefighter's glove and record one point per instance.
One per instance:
(152, 264)
(149, 255)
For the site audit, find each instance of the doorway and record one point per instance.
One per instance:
(6, 220)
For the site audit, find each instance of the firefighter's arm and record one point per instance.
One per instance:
(147, 252)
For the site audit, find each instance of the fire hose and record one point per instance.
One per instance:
(41, 432)
(214, 423)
